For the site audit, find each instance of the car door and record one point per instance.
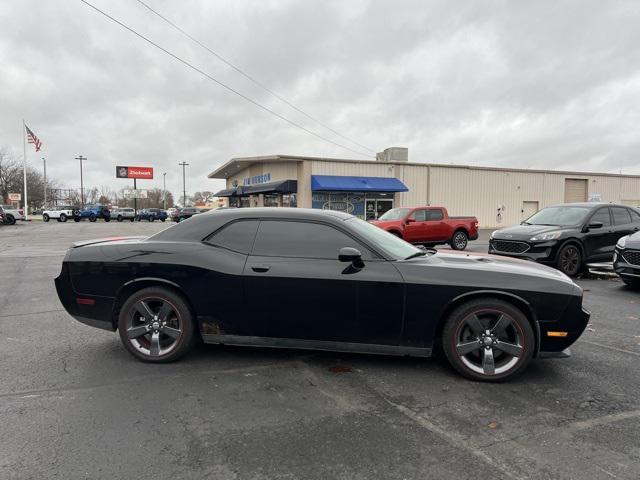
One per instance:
(622, 224)
(437, 228)
(415, 229)
(598, 240)
(297, 285)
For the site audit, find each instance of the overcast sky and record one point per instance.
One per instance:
(508, 83)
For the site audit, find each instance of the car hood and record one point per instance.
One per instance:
(486, 271)
(524, 232)
(633, 241)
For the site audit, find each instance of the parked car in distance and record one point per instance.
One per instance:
(360, 289)
(151, 214)
(429, 226)
(124, 213)
(568, 236)
(92, 213)
(60, 213)
(12, 214)
(626, 259)
(2, 217)
(184, 213)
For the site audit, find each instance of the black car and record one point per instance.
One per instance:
(626, 259)
(568, 236)
(314, 279)
(184, 213)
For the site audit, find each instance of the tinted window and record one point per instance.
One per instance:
(419, 215)
(237, 236)
(602, 215)
(435, 215)
(621, 216)
(635, 216)
(302, 239)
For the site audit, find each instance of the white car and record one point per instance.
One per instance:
(62, 214)
(123, 213)
(12, 214)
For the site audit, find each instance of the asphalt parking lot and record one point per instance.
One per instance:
(74, 404)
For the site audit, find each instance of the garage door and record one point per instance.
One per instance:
(575, 190)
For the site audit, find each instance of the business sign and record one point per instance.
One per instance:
(145, 173)
(15, 197)
(256, 179)
(131, 193)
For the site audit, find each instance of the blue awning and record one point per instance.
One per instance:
(336, 183)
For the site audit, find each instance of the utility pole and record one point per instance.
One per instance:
(184, 188)
(44, 162)
(82, 159)
(164, 190)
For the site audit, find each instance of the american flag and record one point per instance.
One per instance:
(31, 138)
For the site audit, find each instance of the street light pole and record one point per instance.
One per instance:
(44, 162)
(184, 188)
(164, 190)
(81, 158)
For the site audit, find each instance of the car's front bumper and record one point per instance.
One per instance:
(556, 336)
(623, 267)
(542, 252)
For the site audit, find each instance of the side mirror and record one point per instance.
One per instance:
(595, 225)
(353, 255)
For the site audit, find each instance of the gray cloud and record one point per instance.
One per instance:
(539, 84)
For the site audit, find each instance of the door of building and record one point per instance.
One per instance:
(575, 190)
(370, 210)
(375, 207)
(383, 206)
(528, 209)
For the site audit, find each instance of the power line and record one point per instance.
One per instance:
(251, 78)
(210, 77)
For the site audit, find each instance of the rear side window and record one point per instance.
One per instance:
(621, 216)
(236, 236)
(435, 215)
(635, 216)
(302, 240)
(419, 215)
(602, 215)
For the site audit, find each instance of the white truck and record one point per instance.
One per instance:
(12, 214)
(62, 214)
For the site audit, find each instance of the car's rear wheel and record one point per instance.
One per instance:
(459, 241)
(162, 220)
(63, 217)
(119, 218)
(488, 340)
(132, 219)
(151, 219)
(92, 218)
(570, 260)
(156, 325)
(9, 219)
(45, 217)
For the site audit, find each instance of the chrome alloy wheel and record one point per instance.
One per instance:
(489, 342)
(154, 326)
(460, 241)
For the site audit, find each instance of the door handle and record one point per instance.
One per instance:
(260, 268)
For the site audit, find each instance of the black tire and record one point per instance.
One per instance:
(178, 220)
(92, 218)
(58, 219)
(181, 319)
(119, 218)
(132, 220)
(460, 240)
(631, 283)
(9, 219)
(76, 219)
(570, 260)
(107, 219)
(45, 218)
(151, 219)
(63, 217)
(162, 220)
(462, 333)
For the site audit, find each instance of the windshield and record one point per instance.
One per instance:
(559, 216)
(394, 214)
(389, 243)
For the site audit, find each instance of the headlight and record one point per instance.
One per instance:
(622, 242)
(546, 236)
(492, 234)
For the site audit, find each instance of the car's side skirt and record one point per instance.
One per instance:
(274, 342)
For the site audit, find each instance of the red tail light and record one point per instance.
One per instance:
(475, 224)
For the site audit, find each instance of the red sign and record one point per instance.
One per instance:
(134, 172)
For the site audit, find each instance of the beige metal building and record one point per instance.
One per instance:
(497, 196)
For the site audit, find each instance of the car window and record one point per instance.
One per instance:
(236, 236)
(635, 216)
(621, 216)
(302, 240)
(435, 215)
(602, 215)
(419, 215)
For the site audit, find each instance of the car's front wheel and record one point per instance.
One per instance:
(156, 325)
(119, 218)
(162, 220)
(45, 218)
(63, 217)
(488, 340)
(459, 240)
(92, 218)
(132, 219)
(10, 220)
(570, 260)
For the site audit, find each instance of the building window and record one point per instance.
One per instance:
(289, 200)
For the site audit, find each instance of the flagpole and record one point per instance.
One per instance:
(24, 168)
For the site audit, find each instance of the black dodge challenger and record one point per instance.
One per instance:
(314, 279)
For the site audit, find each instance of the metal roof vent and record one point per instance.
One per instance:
(393, 154)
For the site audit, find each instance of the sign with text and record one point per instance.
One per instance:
(135, 193)
(256, 179)
(145, 173)
(15, 197)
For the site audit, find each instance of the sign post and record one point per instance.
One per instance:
(144, 173)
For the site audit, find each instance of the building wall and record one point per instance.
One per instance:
(278, 171)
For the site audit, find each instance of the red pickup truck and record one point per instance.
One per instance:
(429, 225)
